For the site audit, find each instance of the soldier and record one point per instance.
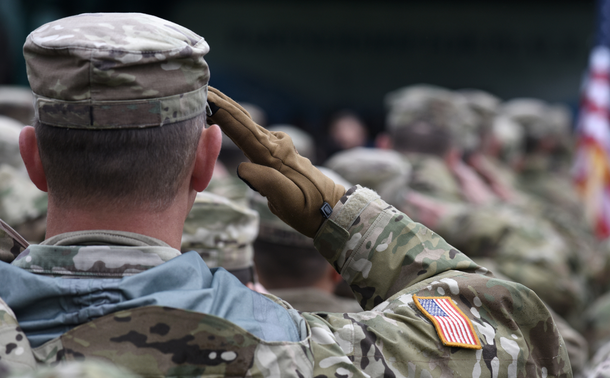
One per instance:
(132, 89)
(222, 232)
(289, 266)
(22, 205)
(431, 128)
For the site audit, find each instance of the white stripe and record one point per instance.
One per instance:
(469, 337)
(447, 328)
(457, 317)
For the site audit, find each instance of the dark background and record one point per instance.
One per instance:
(303, 60)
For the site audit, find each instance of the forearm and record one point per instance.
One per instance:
(379, 250)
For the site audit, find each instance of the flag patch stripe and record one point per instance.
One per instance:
(452, 326)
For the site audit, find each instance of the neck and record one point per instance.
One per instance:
(164, 225)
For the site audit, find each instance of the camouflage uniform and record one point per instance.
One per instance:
(389, 260)
(222, 232)
(304, 298)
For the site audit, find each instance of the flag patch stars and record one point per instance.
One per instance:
(453, 327)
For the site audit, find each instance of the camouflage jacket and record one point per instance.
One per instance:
(392, 264)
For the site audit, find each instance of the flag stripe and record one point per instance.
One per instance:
(452, 325)
(456, 323)
(464, 328)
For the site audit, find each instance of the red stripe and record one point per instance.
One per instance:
(465, 332)
(448, 329)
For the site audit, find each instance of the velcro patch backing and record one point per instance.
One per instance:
(453, 327)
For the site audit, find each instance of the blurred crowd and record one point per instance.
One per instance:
(492, 177)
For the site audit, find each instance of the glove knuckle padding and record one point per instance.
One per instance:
(295, 189)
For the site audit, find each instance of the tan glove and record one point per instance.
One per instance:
(298, 193)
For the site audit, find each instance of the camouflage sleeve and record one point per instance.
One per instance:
(392, 263)
(378, 249)
(11, 243)
(15, 349)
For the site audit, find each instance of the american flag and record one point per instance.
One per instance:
(592, 163)
(452, 326)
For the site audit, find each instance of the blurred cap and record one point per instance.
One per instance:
(531, 114)
(509, 136)
(438, 108)
(385, 171)
(116, 70)
(221, 231)
(483, 104)
(272, 229)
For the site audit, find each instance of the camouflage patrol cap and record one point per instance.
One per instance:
(483, 104)
(530, 113)
(385, 171)
(508, 136)
(221, 231)
(272, 229)
(437, 107)
(116, 70)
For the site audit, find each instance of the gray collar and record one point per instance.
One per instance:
(104, 237)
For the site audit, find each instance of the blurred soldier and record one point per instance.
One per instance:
(22, 205)
(289, 266)
(432, 126)
(116, 215)
(222, 232)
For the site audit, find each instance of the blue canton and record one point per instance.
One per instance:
(432, 308)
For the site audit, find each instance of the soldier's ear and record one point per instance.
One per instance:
(205, 158)
(28, 148)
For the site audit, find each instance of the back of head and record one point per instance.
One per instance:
(104, 84)
(222, 232)
(429, 119)
(284, 258)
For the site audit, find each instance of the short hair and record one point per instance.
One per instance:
(282, 266)
(132, 168)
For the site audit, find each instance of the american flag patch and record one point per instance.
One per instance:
(452, 326)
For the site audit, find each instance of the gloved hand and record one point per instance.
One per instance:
(298, 193)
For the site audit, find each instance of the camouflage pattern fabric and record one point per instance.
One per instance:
(434, 105)
(9, 142)
(599, 365)
(308, 299)
(116, 70)
(15, 351)
(386, 258)
(20, 200)
(74, 369)
(221, 232)
(11, 243)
